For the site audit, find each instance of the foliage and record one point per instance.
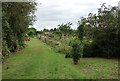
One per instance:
(80, 32)
(103, 29)
(52, 43)
(5, 48)
(16, 18)
(76, 51)
(105, 47)
(98, 34)
(81, 29)
(65, 29)
(68, 52)
(39, 32)
(63, 48)
(31, 32)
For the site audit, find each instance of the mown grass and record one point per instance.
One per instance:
(39, 61)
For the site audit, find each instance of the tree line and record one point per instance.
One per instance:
(16, 18)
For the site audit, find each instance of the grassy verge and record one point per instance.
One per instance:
(39, 61)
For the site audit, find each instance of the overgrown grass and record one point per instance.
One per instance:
(39, 61)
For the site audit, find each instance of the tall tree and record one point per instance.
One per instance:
(65, 28)
(16, 18)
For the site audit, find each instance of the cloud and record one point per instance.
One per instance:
(54, 12)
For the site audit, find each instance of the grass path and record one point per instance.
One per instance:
(39, 61)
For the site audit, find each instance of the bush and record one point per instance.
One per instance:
(50, 35)
(5, 49)
(104, 30)
(61, 48)
(76, 51)
(104, 45)
(68, 51)
(52, 43)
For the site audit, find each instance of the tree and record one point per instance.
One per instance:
(80, 31)
(103, 28)
(65, 28)
(39, 32)
(16, 18)
(31, 32)
(45, 30)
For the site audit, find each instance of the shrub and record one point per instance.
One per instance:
(76, 51)
(5, 49)
(52, 43)
(68, 51)
(61, 48)
(104, 45)
(104, 30)
(51, 35)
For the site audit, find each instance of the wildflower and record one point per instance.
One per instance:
(105, 27)
(101, 26)
(111, 23)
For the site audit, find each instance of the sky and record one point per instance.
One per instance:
(50, 13)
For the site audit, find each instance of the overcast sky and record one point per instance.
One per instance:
(53, 12)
